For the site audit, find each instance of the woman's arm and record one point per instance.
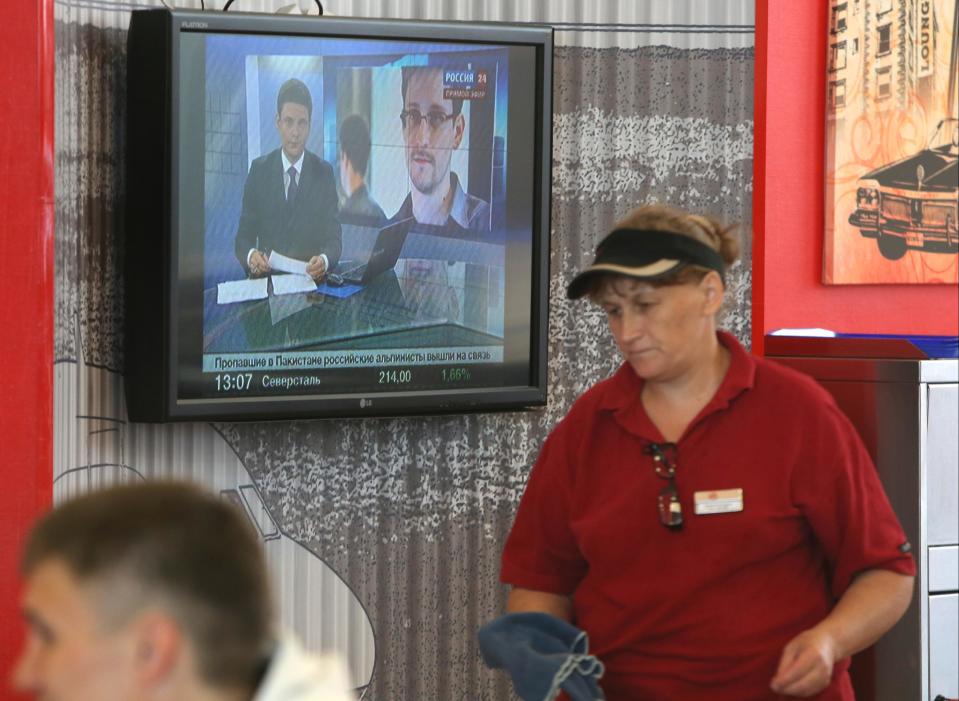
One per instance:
(526, 600)
(872, 604)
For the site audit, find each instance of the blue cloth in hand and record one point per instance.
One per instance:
(543, 655)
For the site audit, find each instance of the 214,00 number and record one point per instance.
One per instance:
(395, 377)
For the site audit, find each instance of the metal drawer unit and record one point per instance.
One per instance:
(906, 408)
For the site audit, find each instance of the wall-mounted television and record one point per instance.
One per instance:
(334, 216)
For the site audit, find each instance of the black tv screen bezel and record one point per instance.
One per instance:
(168, 406)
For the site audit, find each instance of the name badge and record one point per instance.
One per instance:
(718, 501)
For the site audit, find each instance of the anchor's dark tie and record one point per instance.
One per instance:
(291, 190)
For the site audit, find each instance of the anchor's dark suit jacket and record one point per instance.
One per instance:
(306, 228)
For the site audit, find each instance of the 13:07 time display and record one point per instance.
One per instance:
(234, 383)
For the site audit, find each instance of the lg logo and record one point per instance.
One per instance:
(364, 403)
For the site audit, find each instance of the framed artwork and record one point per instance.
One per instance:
(892, 143)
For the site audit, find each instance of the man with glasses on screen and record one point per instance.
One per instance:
(289, 200)
(433, 127)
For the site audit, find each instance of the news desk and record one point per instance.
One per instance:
(419, 303)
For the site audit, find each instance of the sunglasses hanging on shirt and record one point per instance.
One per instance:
(667, 502)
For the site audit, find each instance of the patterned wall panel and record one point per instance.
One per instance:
(385, 534)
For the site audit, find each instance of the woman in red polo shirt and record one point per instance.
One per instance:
(709, 518)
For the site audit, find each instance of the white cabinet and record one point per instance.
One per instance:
(943, 660)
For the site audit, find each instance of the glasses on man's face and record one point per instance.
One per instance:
(667, 502)
(412, 119)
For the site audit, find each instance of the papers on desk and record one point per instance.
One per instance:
(241, 290)
(292, 284)
(246, 290)
(281, 264)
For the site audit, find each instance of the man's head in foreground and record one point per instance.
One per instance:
(154, 591)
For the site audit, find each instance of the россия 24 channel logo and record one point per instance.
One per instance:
(464, 83)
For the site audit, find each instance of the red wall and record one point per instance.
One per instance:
(788, 199)
(26, 286)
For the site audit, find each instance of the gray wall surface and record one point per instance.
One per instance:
(404, 519)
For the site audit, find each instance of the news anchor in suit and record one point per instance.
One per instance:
(289, 200)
